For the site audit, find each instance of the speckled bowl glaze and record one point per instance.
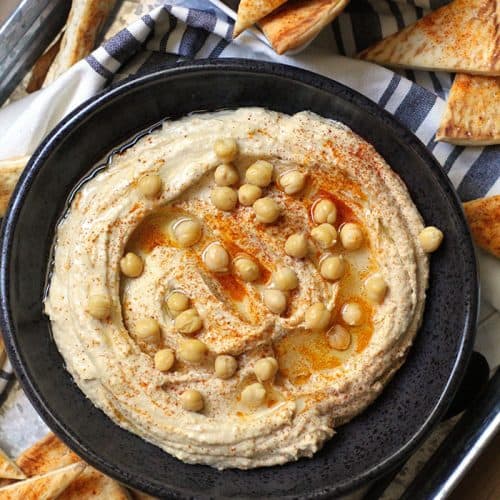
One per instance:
(374, 442)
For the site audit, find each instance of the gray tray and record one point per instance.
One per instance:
(27, 27)
(24, 35)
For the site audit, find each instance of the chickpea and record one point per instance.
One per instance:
(324, 211)
(325, 235)
(192, 400)
(188, 322)
(254, 394)
(317, 317)
(246, 269)
(352, 313)
(339, 338)
(265, 369)
(266, 210)
(275, 300)
(176, 303)
(99, 306)
(285, 279)
(376, 288)
(226, 175)
(226, 149)
(430, 239)
(225, 366)
(332, 268)
(296, 245)
(248, 194)
(191, 350)
(351, 236)
(260, 173)
(147, 329)
(131, 265)
(216, 258)
(292, 182)
(164, 360)
(150, 185)
(224, 198)
(187, 232)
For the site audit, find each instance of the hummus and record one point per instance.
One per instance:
(332, 342)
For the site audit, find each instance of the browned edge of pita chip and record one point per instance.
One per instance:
(85, 21)
(42, 65)
(2, 350)
(92, 484)
(139, 495)
(461, 37)
(483, 216)
(252, 11)
(10, 171)
(8, 468)
(50, 453)
(298, 21)
(472, 114)
(47, 486)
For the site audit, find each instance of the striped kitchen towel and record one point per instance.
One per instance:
(167, 32)
(5, 371)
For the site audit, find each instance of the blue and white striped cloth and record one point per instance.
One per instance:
(5, 372)
(174, 29)
(165, 31)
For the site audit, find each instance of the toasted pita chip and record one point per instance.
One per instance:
(10, 171)
(139, 495)
(8, 469)
(298, 21)
(2, 350)
(85, 21)
(483, 216)
(92, 485)
(461, 37)
(42, 65)
(46, 455)
(472, 115)
(51, 453)
(251, 11)
(46, 487)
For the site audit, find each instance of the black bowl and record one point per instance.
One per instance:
(373, 443)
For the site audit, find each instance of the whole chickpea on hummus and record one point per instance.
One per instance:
(237, 284)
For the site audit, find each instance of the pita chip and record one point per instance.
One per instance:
(483, 216)
(462, 37)
(298, 21)
(45, 487)
(2, 350)
(42, 65)
(46, 455)
(8, 469)
(51, 453)
(85, 22)
(472, 115)
(92, 485)
(139, 495)
(251, 11)
(10, 171)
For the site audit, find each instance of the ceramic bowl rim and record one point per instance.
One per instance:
(235, 65)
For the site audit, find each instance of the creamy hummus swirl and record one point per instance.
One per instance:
(317, 388)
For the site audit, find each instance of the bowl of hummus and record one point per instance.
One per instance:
(226, 290)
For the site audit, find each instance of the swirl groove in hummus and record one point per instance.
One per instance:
(316, 387)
